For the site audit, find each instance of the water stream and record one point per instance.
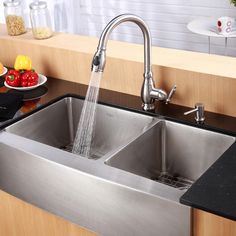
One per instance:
(84, 134)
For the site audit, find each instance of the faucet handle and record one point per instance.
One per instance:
(199, 109)
(172, 91)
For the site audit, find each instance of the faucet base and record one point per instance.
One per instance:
(148, 107)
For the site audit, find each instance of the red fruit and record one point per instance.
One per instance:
(29, 78)
(13, 78)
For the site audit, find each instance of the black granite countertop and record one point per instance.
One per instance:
(214, 191)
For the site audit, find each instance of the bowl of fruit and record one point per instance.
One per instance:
(23, 77)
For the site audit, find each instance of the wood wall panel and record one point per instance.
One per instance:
(199, 78)
(18, 218)
(217, 93)
(206, 224)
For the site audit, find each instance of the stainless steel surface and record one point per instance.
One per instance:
(125, 196)
(148, 93)
(173, 149)
(199, 109)
(172, 91)
(82, 191)
(173, 181)
(110, 27)
(56, 126)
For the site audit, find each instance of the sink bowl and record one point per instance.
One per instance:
(56, 126)
(172, 153)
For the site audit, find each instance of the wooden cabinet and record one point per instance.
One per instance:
(206, 224)
(18, 218)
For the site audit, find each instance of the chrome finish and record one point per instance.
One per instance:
(199, 109)
(172, 149)
(172, 91)
(148, 92)
(158, 94)
(113, 129)
(99, 59)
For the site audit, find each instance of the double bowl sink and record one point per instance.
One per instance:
(143, 145)
(140, 166)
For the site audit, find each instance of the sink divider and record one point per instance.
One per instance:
(163, 143)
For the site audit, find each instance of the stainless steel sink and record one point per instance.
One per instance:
(56, 126)
(172, 153)
(84, 192)
(145, 164)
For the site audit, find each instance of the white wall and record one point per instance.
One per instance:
(167, 20)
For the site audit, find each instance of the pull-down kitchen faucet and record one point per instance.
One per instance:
(148, 93)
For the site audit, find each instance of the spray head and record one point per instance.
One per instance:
(99, 61)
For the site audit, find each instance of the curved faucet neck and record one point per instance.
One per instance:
(99, 58)
(148, 92)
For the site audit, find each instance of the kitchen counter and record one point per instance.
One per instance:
(214, 191)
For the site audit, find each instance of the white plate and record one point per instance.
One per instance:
(42, 80)
(4, 71)
(207, 26)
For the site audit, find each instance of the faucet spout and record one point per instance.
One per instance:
(101, 49)
(148, 93)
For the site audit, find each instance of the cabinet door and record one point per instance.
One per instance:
(20, 218)
(206, 224)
